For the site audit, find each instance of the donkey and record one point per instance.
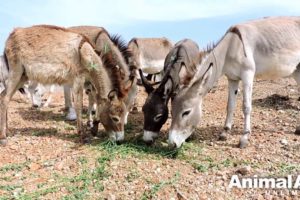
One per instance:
(179, 67)
(267, 48)
(121, 54)
(103, 42)
(54, 55)
(149, 54)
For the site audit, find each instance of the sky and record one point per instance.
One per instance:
(203, 21)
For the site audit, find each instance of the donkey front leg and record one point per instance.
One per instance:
(247, 107)
(71, 115)
(78, 93)
(296, 76)
(231, 104)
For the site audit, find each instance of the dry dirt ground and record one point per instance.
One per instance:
(44, 160)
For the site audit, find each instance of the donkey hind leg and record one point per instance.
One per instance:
(71, 115)
(13, 83)
(78, 94)
(296, 76)
(247, 107)
(231, 104)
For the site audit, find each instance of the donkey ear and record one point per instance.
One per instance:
(182, 72)
(145, 82)
(168, 88)
(112, 95)
(200, 86)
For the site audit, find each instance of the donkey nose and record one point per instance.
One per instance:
(149, 136)
(35, 105)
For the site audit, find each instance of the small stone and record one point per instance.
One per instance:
(34, 166)
(281, 111)
(17, 192)
(284, 142)
(111, 197)
(244, 170)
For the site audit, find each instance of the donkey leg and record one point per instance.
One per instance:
(78, 92)
(71, 115)
(93, 122)
(49, 99)
(13, 83)
(231, 104)
(247, 107)
(296, 76)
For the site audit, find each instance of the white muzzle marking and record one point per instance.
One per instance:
(176, 137)
(116, 136)
(149, 136)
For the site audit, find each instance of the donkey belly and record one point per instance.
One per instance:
(151, 66)
(49, 73)
(278, 66)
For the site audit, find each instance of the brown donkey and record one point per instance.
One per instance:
(112, 47)
(54, 55)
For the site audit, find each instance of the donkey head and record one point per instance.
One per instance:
(186, 108)
(112, 116)
(155, 108)
(36, 93)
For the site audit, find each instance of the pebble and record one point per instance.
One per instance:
(284, 142)
(34, 166)
(244, 170)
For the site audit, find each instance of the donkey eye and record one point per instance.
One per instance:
(185, 113)
(158, 117)
(115, 119)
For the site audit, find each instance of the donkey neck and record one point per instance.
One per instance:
(215, 60)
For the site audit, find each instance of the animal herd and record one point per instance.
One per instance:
(109, 70)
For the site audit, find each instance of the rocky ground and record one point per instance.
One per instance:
(44, 159)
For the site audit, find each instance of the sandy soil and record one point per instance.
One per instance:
(44, 159)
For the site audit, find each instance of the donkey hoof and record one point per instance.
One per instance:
(223, 136)
(134, 110)
(71, 116)
(243, 142)
(86, 140)
(3, 142)
(297, 131)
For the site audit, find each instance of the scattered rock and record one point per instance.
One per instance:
(284, 142)
(111, 197)
(34, 166)
(244, 170)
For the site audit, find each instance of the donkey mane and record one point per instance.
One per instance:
(211, 45)
(168, 71)
(116, 74)
(122, 46)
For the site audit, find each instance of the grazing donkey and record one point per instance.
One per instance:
(149, 54)
(55, 55)
(180, 66)
(121, 54)
(267, 48)
(103, 42)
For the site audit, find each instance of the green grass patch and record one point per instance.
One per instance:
(149, 194)
(13, 167)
